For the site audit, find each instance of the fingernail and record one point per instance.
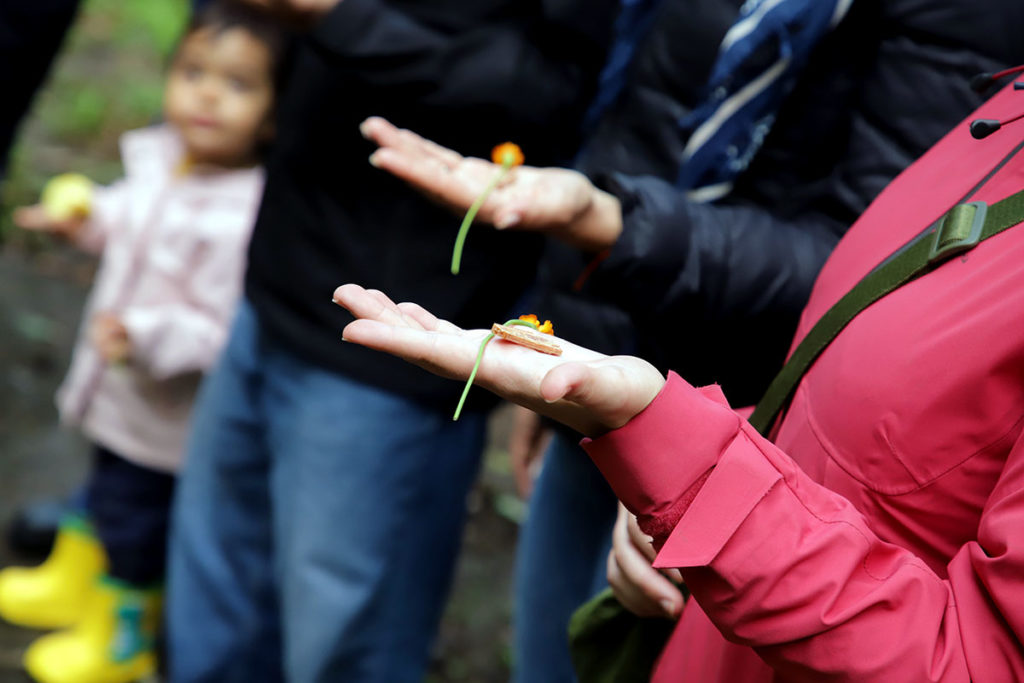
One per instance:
(668, 606)
(507, 221)
(374, 161)
(364, 130)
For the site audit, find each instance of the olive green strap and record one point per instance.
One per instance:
(958, 231)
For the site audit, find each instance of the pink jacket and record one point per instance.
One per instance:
(881, 537)
(172, 267)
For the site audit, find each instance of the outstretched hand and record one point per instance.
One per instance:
(588, 391)
(36, 219)
(557, 201)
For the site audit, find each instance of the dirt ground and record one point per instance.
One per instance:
(41, 297)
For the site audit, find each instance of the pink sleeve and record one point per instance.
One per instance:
(109, 204)
(187, 335)
(793, 570)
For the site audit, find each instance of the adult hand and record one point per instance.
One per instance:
(526, 446)
(110, 337)
(640, 588)
(36, 219)
(588, 391)
(302, 11)
(557, 201)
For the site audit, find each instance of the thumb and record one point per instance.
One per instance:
(568, 382)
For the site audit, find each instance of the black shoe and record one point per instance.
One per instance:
(34, 527)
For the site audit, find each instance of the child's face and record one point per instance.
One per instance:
(219, 95)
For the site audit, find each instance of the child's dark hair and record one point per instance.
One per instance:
(222, 15)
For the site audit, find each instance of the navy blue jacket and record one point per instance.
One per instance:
(715, 290)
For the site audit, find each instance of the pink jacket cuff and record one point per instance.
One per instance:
(653, 460)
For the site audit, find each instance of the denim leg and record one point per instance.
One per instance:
(368, 504)
(560, 559)
(221, 608)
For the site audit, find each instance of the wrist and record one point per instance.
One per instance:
(598, 227)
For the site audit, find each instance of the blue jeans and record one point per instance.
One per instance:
(561, 559)
(315, 526)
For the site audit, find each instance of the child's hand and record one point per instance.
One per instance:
(36, 218)
(590, 392)
(109, 336)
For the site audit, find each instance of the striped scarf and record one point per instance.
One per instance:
(758, 64)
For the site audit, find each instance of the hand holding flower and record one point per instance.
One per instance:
(583, 389)
(557, 201)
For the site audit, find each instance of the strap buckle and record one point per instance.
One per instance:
(959, 231)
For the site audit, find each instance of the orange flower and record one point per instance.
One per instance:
(507, 154)
(546, 328)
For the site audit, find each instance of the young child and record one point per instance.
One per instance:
(173, 235)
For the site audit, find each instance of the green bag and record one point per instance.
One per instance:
(608, 643)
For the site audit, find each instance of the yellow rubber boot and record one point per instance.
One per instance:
(113, 643)
(54, 594)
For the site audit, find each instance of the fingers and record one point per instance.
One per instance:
(447, 354)
(637, 585)
(527, 444)
(642, 542)
(638, 538)
(429, 176)
(441, 174)
(426, 319)
(371, 304)
(374, 304)
(390, 312)
(385, 134)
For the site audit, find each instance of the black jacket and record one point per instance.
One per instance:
(468, 74)
(716, 289)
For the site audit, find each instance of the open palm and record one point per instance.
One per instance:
(552, 200)
(588, 391)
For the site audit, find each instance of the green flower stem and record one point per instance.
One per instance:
(480, 357)
(460, 239)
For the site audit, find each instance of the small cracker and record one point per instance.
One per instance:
(528, 337)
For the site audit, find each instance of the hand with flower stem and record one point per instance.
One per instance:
(586, 390)
(505, 155)
(556, 201)
(524, 320)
